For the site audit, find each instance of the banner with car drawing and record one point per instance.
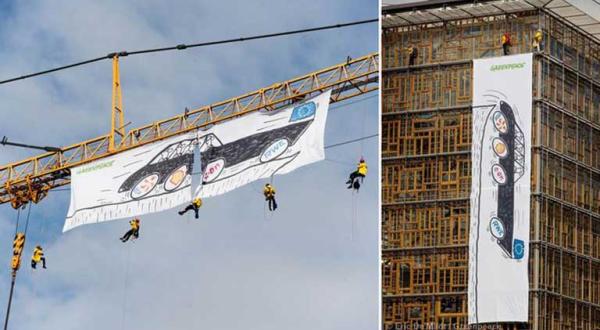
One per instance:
(151, 178)
(500, 192)
(262, 144)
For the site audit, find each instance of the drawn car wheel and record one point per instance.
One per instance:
(497, 228)
(213, 170)
(500, 147)
(500, 122)
(499, 174)
(176, 178)
(144, 186)
(274, 150)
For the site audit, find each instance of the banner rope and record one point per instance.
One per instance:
(125, 287)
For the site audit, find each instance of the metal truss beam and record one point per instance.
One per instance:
(30, 179)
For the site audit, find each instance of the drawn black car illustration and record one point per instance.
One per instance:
(510, 149)
(168, 169)
(259, 148)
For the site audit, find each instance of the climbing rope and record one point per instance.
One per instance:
(125, 284)
(355, 223)
(270, 214)
(355, 192)
(26, 227)
(42, 228)
(27, 220)
(259, 191)
(265, 211)
(362, 142)
(354, 210)
(339, 162)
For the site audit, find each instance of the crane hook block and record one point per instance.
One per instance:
(15, 263)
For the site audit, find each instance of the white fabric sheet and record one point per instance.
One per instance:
(501, 165)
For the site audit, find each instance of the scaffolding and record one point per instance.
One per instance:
(426, 165)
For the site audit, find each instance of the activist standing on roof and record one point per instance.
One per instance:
(413, 53)
(537, 40)
(506, 43)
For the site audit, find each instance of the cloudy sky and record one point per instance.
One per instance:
(311, 265)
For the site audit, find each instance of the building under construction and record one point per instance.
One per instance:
(426, 165)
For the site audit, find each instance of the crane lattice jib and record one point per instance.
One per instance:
(32, 178)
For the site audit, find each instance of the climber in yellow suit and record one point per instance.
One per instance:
(135, 230)
(506, 43)
(195, 205)
(537, 40)
(38, 255)
(361, 172)
(269, 193)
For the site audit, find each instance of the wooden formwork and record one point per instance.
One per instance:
(426, 179)
(426, 225)
(427, 133)
(426, 168)
(458, 40)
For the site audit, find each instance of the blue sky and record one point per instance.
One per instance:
(313, 264)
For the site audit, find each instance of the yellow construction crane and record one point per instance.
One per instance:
(31, 179)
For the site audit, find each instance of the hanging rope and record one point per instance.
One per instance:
(125, 284)
(265, 211)
(32, 272)
(355, 192)
(259, 191)
(27, 221)
(42, 228)
(362, 142)
(270, 212)
(353, 214)
(339, 162)
(355, 222)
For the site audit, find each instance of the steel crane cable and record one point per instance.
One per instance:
(184, 46)
(17, 223)
(26, 220)
(14, 277)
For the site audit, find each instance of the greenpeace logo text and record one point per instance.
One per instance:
(511, 66)
(96, 167)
